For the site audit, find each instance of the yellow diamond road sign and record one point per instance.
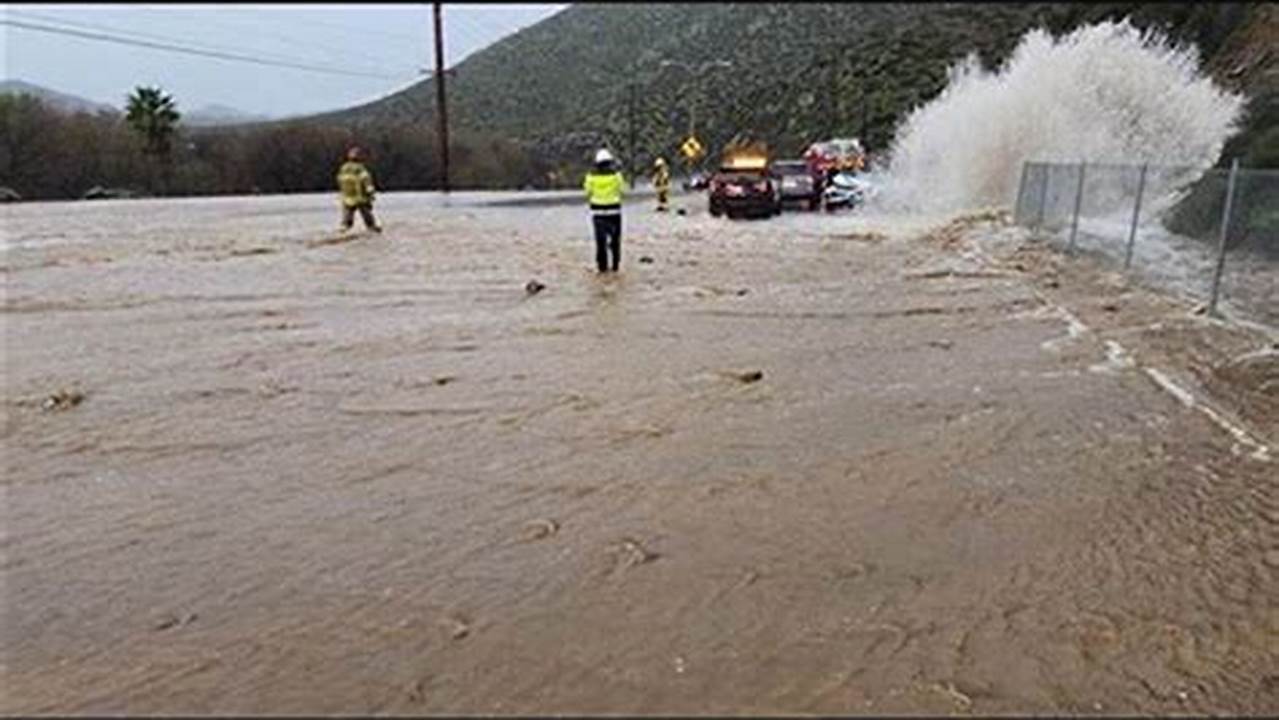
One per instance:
(692, 148)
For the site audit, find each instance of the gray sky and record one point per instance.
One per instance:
(392, 42)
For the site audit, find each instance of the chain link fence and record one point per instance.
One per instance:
(1208, 234)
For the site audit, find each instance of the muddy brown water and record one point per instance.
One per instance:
(808, 465)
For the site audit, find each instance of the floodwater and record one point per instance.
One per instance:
(807, 465)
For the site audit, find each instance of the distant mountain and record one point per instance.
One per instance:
(206, 116)
(219, 115)
(62, 101)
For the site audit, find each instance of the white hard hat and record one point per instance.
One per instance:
(603, 156)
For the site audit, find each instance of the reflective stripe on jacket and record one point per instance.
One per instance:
(662, 178)
(355, 182)
(604, 192)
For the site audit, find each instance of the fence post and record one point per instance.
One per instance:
(1225, 229)
(1021, 193)
(1079, 199)
(1136, 213)
(1043, 197)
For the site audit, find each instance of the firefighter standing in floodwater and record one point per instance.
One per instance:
(603, 186)
(662, 182)
(355, 183)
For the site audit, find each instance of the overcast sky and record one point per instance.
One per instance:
(389, 43)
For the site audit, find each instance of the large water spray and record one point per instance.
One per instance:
(1104, 93)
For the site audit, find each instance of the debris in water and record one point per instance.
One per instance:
(62, 400)
(747, 376)
(534, 287)
(951, 692)
(941, 344)
(443, 380)
(272, 388)
(869, 236)
(681, 211)
(645, 259)
(634, 553)
(458, 627)
(172, 621)
(1110, 307)
(415, 693)
(539, 529)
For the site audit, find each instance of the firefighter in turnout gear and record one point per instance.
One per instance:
(355, 183)
(662, 182)
(603, 186)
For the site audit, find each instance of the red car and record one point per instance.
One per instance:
(832, 156)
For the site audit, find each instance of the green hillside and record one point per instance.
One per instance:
(800, 71)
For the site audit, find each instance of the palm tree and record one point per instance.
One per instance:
(154, 116)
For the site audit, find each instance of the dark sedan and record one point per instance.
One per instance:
(742, 192)
(798, 183)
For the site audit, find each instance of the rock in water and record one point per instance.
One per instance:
(62, 400)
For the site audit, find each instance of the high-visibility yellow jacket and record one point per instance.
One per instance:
(355, 182)
(662, 178)
(604, 192)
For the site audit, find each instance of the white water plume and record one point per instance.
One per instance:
(1104, 93)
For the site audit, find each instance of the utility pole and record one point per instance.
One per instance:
(440, 109)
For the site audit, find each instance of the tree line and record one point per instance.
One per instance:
(50, 154)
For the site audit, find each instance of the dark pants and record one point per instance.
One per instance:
(366, 214)
(608, 238)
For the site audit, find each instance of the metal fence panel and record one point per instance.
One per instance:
(1163, 223)
(1250, 275)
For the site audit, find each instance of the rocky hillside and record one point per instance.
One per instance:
(799, 70)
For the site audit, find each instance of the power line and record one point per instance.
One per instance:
(408, 39)
(80, 25)
(237, 57)
(255, 26)
(143, 36)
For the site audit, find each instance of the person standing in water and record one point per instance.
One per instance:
(662, 182)
(603, 186)
(355, 183)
